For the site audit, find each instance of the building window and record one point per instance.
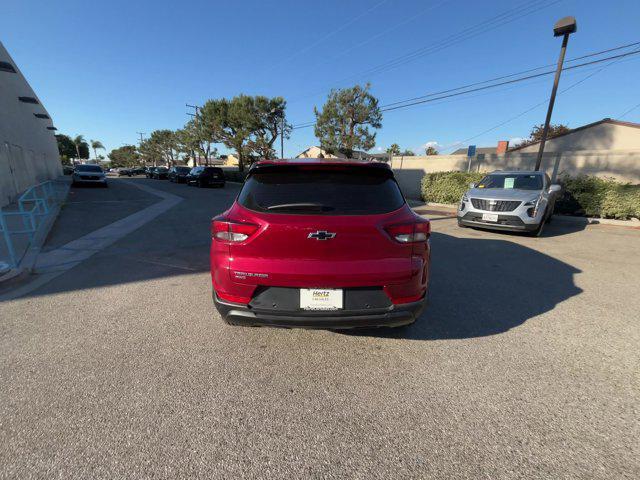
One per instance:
(7, 67)
(28, 100)
(51, 128)
(41, 115)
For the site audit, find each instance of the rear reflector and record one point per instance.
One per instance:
(410, 232)
(233, 298)
(232, 232)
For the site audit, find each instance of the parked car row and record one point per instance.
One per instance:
(199, 176)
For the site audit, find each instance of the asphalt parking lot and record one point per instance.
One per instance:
(524, 365)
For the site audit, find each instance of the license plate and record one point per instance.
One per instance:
(320, 299)
(489, 217)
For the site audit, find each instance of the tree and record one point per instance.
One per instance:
(270, 113)
(431, 150)
(343, 124)
(248, 125)
(125, 156)
(161, 145)
(66, 148)
(81, 147)
(408, 153)
(96, 144)
(537, 130)
(394, 149)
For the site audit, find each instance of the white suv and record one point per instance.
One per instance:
(517, 201)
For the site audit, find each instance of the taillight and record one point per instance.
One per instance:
(232, 232)
(410, 232)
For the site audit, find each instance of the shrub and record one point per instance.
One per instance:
(599, 197)
(447, 187)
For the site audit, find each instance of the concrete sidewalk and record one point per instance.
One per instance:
(56, 257)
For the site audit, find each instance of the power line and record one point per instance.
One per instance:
(330, 34)
(454, 92)
(492, 23)
(595, 54)
(624, 114)
(575, 84)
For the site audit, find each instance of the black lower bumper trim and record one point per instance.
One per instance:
(395, 316)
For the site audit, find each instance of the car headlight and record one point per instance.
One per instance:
(464, 197)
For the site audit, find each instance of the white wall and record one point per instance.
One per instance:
(28, 151)
(622, 165)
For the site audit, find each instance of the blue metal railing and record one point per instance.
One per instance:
(33, 206)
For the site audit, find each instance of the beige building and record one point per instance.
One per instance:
(606, 134)
(28, 148)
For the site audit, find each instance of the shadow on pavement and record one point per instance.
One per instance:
(481, 287)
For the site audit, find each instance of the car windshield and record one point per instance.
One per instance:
(88, 168)
(517, 181)
(182, 169)
(322, 191)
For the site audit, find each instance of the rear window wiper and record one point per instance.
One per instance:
(318, 207)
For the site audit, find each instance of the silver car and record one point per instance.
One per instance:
(89, 174)
(520, 201)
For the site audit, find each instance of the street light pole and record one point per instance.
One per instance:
(282, 138)
(563, 27)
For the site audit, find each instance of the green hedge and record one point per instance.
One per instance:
(447, 187)
(582, 195)
(598, 197)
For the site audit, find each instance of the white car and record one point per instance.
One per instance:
(520, 201)
(89, 174)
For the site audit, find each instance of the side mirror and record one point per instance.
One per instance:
(555, 188)
(473, 185)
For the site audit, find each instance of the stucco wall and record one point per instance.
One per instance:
(28, 151)
(623, 165)
(604, 136)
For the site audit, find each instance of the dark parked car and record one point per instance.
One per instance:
(124, 172)
(206, 176)
(149, 172)
(160, 173)
(178, 174)
(138, 171)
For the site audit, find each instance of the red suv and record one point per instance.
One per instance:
(320, 243)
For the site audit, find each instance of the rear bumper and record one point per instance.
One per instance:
(393, 316)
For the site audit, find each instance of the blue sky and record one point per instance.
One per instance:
(110, 69)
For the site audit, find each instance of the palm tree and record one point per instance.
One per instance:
(78, 141)
(96, 144)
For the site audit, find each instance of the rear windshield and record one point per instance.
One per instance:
(214, 170)
(322, 191)
(182, 169)
(88, 168)
(515, 181)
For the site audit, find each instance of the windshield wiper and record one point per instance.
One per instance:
(318, 207)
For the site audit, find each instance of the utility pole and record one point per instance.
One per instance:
(142, 134)
(563, 28)
(196, 108)
(282, 138)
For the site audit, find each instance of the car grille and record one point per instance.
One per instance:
(495, 205)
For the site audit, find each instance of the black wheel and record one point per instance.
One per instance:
(538, 231)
